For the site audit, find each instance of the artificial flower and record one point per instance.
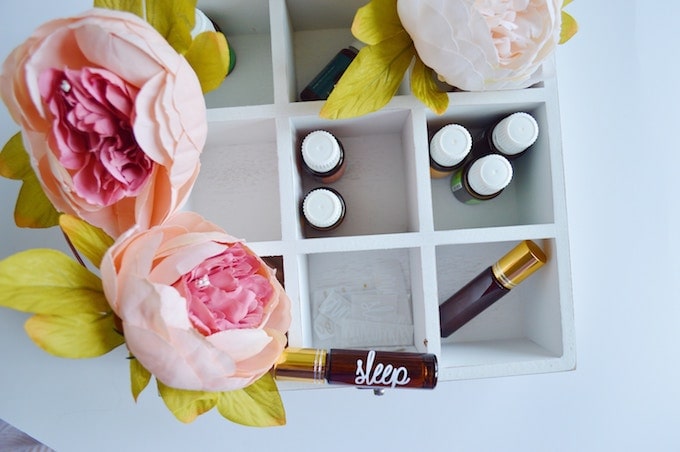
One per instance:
(199, 310)
(480, 45)
(112, 117)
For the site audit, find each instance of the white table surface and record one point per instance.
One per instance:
(619, 97)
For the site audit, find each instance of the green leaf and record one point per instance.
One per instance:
(424, 88)
(87, 239)
(372, 79)
(44, 281)
(566, 2)
(139, 377)
(132, 6)
(209, 57)
(258, 405)
(82, 335)
(186, 405)
(377, 21)
(569, 27)
(33, 209)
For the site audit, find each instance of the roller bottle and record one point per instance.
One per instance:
(489, 286)
(360, 368)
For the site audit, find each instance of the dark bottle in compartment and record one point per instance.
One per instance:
(511, 136)
(323, 209)
(323, 156)
(449, 148)
(489, 286)
(321, 86)
(360, 368)
(481, 179)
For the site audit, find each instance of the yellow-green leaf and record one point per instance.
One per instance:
(14, 161)
(424, 88)
(566, 2)
(569, 27)
(185, 405)
(33, 209)
(377, 21)
(132, 6)
(139, 377)
(372, 79)
(209, 57)
(45, 281)
(87, 239)
(174, 20)
(81, 335)
(258, 405)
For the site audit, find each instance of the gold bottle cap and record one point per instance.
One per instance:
(301, 364)
(518, 264)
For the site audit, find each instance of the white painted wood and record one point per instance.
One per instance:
(252, 186)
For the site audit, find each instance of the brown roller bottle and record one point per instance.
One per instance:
(489, 286)
(360, 368)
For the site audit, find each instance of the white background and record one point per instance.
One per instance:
(619, 94)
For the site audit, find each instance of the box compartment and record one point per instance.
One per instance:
(528, 198)
(522, 327)
(246, 25)
(379, 180)
(238, 188)
(364, 299)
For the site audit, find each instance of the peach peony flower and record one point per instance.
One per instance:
(112, 117)
(483, 44)
(199, 309)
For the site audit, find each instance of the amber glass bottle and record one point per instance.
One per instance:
(361, 368)
(323, 156)
(481, 179)
(511, 136)
(323, 209)
(449, 148)
(489, 286)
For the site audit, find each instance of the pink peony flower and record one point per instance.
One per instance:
(483, 44)
(199, 309)
(112, 117)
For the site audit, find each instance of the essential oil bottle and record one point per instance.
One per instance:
(449, 147)
(323, 156)
(511, 136)
(360, 368)
(489, 286)
(321, 86)
(323, 209)
(481, 179)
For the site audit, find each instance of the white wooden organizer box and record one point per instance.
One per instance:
(250, 184)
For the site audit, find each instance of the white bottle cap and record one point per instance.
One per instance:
(202, 23)
(515, 133)
(321, 151)
(489, 174)
(322, 208)
(450, 145)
